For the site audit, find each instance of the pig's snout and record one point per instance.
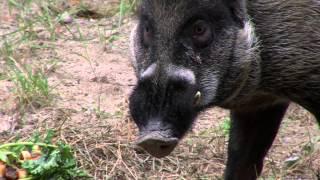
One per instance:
(157, 145)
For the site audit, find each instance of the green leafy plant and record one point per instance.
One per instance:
(47, 161)
(225, 126)
(28, 18)
(125, 7)
(31, 87)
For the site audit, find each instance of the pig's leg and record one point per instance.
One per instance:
(251, 136)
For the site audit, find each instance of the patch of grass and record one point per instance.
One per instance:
(225, 126)
(34, 20)
(113, 38)
(31, 88)
(209, 132)
(222, 130)
(100, 114)
(32, 15)
(2, 76)
(126, 7)
(105, 115)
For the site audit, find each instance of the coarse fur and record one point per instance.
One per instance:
(263, 54)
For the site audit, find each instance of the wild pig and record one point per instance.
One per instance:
(252, 57)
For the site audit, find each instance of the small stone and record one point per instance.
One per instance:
(65, 18)
(291, 160)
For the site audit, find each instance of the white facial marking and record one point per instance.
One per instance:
(183, 73)
(149, 71)
(248, 32)
(133, 45)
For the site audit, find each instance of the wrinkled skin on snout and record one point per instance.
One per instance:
(164, 114)
(180, 62)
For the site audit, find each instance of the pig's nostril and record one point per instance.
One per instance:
(164, 146)
(158, 147)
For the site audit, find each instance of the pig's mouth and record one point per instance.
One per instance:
(157, 144)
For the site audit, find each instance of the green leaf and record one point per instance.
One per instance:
(44, 165)
(4, 155)
(35, 137)
(49, 136)
(58, 164)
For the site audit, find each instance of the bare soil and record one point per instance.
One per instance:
(91, 81)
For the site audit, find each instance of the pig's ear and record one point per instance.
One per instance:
(238, 10)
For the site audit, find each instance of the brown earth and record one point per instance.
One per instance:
(91, 80)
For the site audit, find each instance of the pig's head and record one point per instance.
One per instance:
(187, 55)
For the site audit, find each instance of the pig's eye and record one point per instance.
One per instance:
(147, 36)
(201, 33)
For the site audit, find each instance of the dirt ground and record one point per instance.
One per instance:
(91, 80)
